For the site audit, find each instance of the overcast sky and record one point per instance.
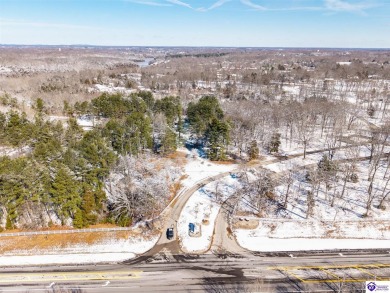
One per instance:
(257, 23)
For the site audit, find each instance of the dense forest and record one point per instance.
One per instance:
(60, 176)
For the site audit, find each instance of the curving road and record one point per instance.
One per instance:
(172, 213)
(225, 268)
(223, 239)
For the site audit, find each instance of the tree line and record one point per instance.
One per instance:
(59, 175)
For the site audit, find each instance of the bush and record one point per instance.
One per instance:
(273, 146)
(253, 151)
(371, 111)
(354, 178)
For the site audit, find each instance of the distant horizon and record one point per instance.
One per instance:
(198, 23)
(181, 46)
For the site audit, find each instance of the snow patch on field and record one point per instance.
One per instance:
(5, 70)
(341, 225)
(110, 250)
(255, 240)
(86, 122)
(294, 163)
(198, 168)
(111, 89)
(17, 260)
(284, 229)
(14, 152)
(351, 206)
(292, 89)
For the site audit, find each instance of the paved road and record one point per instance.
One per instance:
(248, 272)
(225, 268)
(223, 240)
(171, 214)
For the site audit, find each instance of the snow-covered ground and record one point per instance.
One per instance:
(349, 206)
(286, 229)
(111, 89)
(54, 118)
(14, 152)
(28, 260)
(255, 240)
(108, 251)
(292, 89)
(202, 210)
(5, 70)
(294, 163)
(338, 225)
(198, 168)
(86, 122)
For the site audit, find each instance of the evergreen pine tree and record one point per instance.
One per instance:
(78, 221)
(8, 224)
(274, 143)
(88, 207)
(65, 194)
(169, 142)
(253, 151)
(218, 137)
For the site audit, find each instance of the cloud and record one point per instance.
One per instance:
(215, 5)
(294, 8)
(148, 3)
(253, 5)
(180, 3)
(340, 5)
(296, 5)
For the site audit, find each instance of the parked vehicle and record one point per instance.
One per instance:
(170, 233)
